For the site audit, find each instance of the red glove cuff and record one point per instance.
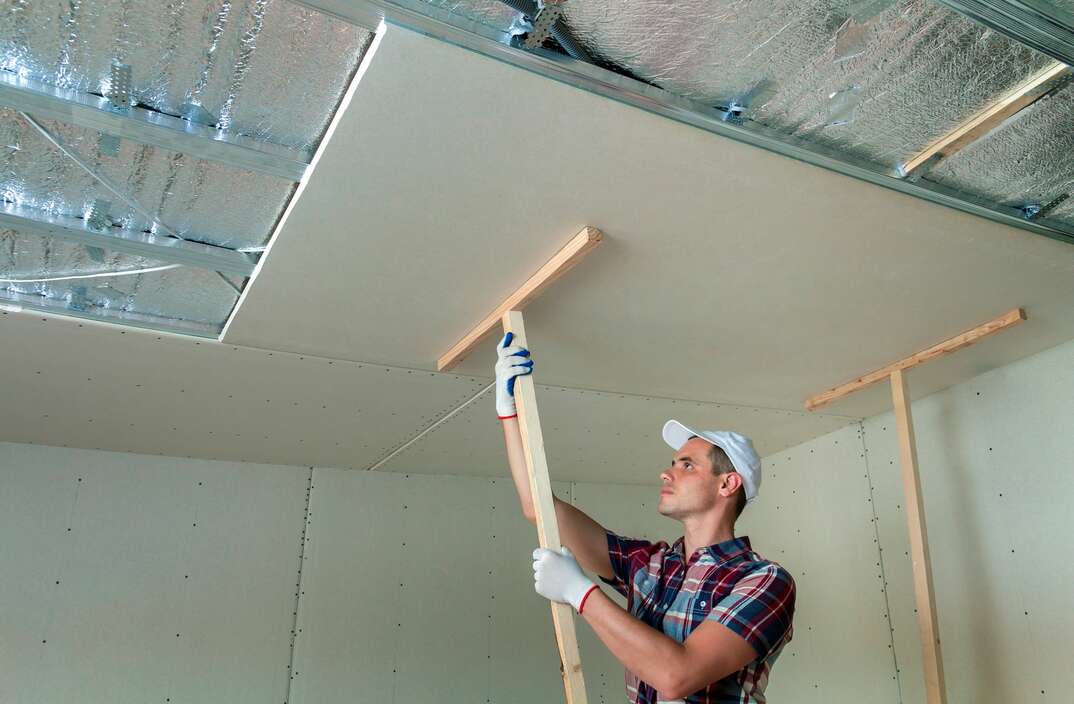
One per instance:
(582, 604)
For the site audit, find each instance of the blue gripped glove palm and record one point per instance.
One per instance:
(558, 577)
(511, 362)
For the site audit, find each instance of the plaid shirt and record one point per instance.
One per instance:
(727, 583)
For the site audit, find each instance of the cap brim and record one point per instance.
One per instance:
(676, 434)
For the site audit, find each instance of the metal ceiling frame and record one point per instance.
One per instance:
(152, 128)
(455, 29)
(15, 302)
(158, 247)
(1035, 23)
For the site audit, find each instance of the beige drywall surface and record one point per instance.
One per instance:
(103, 387)
(417, 588)
(728, 274)
(814, 516)
(996, 459)
(413, 588)
(127, 578)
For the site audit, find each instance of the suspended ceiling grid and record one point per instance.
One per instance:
(728, 274)
(737, 379)
(145, 147)
(90, 385)
(872, 82)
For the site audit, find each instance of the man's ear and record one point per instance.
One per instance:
(730, 484)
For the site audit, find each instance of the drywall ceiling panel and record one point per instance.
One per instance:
(601, 437)
(97, 386)
(103, 387)
(728, 274)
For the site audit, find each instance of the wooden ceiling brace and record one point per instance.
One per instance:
(924, 594)
(563, 261)
(990, 117)
(509, 315)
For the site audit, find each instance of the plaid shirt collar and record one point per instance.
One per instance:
(719, 553)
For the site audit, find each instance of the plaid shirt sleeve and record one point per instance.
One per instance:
(627, 556)
(759, 608)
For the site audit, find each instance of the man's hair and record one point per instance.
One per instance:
(721, 464)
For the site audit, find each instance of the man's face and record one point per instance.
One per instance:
(689, 485)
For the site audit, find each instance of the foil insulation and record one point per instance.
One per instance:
(182, 293)
(201, 200)
(269, 69)
(876, 80)
(491, 13)
(1024, 163)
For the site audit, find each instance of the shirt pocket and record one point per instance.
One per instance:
(699, 607)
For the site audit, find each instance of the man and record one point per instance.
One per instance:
(706, 617)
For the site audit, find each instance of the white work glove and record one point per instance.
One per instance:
(511, 362)
(557, 576)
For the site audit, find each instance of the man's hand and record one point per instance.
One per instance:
(511, 362)
(557, 576)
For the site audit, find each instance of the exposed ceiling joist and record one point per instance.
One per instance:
(991, 116)
(160, 248)
(149, 127)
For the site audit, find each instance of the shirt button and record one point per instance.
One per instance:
(702, 604)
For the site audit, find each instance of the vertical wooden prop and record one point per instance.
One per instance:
(931, 657)
(924, 595)
(545, 509)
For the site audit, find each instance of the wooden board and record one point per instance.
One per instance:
(938, 350)
(924, 595)
(984, 121)
(544, 507)
(563, 261)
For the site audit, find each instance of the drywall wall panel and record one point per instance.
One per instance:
(996, 458)
(420, 589)
(814, 516)
(129, 578)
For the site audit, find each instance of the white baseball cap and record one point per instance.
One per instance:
(739, 450)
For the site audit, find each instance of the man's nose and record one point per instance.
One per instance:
(665, 476)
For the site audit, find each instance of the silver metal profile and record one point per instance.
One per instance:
(16, 301)
(451, 28)
(1035, 23)
(160, 248)
(153, 128)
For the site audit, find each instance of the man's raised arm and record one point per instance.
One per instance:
(581, 534)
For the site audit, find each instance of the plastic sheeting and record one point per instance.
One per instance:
(1024, 162)
(205, 297)
(200, 200)
(270, 69)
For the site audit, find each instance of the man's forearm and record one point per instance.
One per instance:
(516, 460)
(645, 651)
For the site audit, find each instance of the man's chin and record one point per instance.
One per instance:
(666, 511)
